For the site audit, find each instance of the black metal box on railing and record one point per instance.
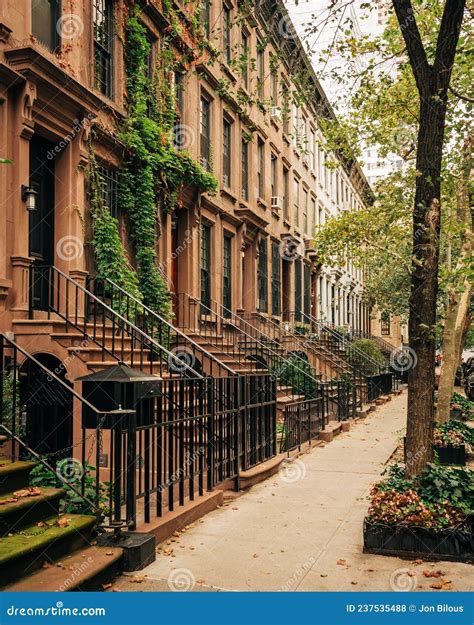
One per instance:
(119, 387)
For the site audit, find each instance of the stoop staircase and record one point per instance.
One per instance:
(41, 549)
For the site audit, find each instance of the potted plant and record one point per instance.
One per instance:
(424, 515)
(462, 409)
(450, 441)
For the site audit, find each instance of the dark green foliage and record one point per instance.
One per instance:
(365, 354)
(300, 375)
(72, 502)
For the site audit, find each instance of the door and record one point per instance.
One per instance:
(41, 221)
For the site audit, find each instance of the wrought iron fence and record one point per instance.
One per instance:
(302, 421)
(381, 384)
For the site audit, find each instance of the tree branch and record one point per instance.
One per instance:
(411, 35)
(448, 40)
(460, 95)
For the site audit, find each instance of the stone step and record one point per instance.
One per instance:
(14, 475)
(27, 510)
(27, 550)
(85, 569)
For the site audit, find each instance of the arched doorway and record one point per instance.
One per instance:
(46, 407)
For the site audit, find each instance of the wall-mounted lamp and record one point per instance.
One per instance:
(28, 195)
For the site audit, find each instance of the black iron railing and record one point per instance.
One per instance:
(382, 384)
(242, 342)
(153, 325)
(18, 406)
(118, 338)
(301, 423)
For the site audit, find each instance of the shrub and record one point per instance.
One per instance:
(365, 355)
(300, 375)
(453, 433)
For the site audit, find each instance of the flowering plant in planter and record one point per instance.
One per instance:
(453, 433)
(408, 508)
(464, 405)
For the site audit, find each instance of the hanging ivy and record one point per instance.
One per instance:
(110, 256)
(153, 170)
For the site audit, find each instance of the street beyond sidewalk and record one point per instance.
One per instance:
(301, 529)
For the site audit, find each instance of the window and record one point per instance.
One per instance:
(274, 175)
(109, 179)
(314, 216)
(244, 61)
(44, 19)
(273, 82)
(276, 280)
(260, 70)
(307, 291)
(227, 274)
(103, 45)
(298, 292)
(286, 109)
(305, 211)
(226, 151)
(205, 265)
(385, 324)
(312, 152)
(286, 193)
(226, 33)
(206, 17)
(295, 125)
(261, 168)
(296, 202)
(179, 137)
(205, 130)
(262, 276)
(245, 169)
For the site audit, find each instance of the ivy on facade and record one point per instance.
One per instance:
(153, 173)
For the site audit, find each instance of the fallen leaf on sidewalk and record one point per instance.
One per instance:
(109, 553)
(437, 573)
(106, 586)
(417, 562)
(341, 562)
(137, 580)
(47, 565)
(62, 522)
(255, 555)
(323, 575)
(354, 583)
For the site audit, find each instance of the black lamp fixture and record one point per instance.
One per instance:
(28, 195)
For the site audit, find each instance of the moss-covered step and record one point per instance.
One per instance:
(86, 569)
(15, 475)
(27, 550)
(27, 510)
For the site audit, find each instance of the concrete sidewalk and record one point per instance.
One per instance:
(299, 530)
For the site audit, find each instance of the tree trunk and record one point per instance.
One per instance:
(460, 293)
(432, 83)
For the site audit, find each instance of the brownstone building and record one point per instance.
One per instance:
(240, 263)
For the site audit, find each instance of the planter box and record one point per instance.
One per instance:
(451, 455)
(446, 455)
(456, 544)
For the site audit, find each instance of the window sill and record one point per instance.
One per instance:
(287, 223)
(229, 193)
(261, 202)
(227, 70)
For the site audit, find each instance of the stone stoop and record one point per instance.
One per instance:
(41, 549)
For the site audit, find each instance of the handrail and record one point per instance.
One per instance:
(166, 323)
(119, 322)
(341, 339)
(281, 332)
(101, 414)
(230, 318)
